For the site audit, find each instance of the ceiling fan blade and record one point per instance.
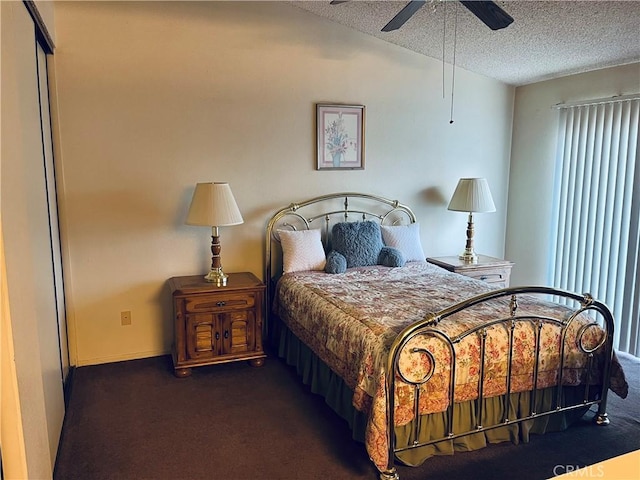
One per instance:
(403, 15)
(337, 2)
(490, 13)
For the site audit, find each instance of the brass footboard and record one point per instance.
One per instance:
(595, 392)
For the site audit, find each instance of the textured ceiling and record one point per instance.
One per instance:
(547, 39)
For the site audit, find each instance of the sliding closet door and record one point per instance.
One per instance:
(28, 248)
(52, 208)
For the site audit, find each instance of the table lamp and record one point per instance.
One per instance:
(471, 195)
(213, 205)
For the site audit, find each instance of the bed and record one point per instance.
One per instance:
(421, 361)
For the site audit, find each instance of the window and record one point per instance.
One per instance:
(597, 210)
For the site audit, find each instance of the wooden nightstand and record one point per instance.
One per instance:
(217, 324)
(489, 269)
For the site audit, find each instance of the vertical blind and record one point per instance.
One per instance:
(596, 248)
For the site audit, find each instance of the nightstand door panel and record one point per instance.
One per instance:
(203, 336)
(239, 328)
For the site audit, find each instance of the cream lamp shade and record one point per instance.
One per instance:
(213, 205)
(471, 195)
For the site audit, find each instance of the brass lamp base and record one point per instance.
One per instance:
(468, 257)
(217, 276)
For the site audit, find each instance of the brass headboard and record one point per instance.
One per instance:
(323, 212)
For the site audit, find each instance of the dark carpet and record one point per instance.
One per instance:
(135, 420)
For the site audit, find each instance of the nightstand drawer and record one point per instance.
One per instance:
(219, 303)
(489, 276)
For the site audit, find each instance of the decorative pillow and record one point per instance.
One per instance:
(336, 263)
(359, 242)
(391, 257)
(405, 238)
(301, 250)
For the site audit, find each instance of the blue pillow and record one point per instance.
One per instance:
(359, 242)
(391, 257)
(336, 263)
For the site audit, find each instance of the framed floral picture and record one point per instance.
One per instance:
(340, 134)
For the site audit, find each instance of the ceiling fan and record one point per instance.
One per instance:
(488, 12)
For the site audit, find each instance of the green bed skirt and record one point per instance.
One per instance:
(323, 381)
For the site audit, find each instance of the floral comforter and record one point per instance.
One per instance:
(350, 321)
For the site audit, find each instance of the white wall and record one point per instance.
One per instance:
(533, 161)
(154, 97)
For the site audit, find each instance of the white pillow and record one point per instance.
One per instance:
(405, 238)
(302, 250)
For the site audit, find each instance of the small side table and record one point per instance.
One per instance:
(488, 269)
(217, 324)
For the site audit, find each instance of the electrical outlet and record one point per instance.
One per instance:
(125, 318)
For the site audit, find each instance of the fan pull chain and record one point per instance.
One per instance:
(444, 39)
(453, 75)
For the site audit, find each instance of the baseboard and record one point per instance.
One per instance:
(121, 358)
